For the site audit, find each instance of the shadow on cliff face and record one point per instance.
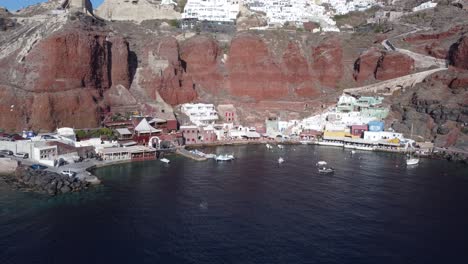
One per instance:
(132, 65)
(458, 53)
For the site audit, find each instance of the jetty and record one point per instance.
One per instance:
(190, 155)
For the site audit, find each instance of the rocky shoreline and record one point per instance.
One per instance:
(44, 182)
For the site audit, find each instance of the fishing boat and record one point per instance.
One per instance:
(268, 146)
(165, 160)
(280, 146)
(225, 157)
(321, 163)
(412, 160)
(325, 170)
(280, 160)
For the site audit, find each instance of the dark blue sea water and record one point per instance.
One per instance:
(372, 210)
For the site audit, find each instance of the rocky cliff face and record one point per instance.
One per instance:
(437, 109)
(380, 65)
(5, 20)
(60, 79)
(458, 55)
(253, 69)
(71, 70)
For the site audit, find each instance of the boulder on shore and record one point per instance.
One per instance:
(8, 166)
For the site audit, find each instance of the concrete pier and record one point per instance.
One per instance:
(190, 155)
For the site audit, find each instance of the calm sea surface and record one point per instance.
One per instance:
(372, 210)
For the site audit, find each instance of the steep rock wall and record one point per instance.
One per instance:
(61, 80)
(458, 55)
(379, 65)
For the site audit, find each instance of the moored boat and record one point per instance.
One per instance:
(325, 170)
(165, 160)
(280, 160)
(321, 163)
(225, 157)
(329, 143)
(412, 160)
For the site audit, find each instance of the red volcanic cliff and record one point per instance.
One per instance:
(328, 62)
(60, 81)
(201, 57)
(164, 73)
(365, 66)
(253, 71)
(393, 65)
(74, 59)
(382, 65)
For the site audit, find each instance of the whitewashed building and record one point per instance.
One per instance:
(211, 10)
(382, 136)
(200, 114)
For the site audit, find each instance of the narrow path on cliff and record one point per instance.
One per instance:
(421, 61)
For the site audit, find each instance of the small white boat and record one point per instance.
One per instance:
(280, 146)
(412, 161)
(268, 146)
(332, 144)
(304, 142)
(321, 163)
(210, 156)
(353, 151)
(225, 157)
(325, 170)
(280, 160)
(165, 160)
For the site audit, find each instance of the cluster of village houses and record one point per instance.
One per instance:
(277, 12)
(280, 12)
(355, 122)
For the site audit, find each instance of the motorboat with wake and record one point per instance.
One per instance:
(325, 170)
(321, 163)
(225, 157)
(411, 160)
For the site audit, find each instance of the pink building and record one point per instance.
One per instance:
(191, 134)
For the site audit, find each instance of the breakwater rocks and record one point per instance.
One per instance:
(46, 182)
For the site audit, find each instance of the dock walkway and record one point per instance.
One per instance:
(190, 155)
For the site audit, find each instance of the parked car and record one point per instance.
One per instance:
(69, 173)
(22, 155)
(38, 167)
(6, 152)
